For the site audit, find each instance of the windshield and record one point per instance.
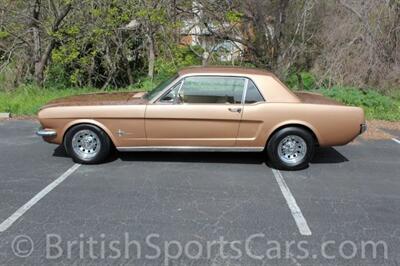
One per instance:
(151, 94)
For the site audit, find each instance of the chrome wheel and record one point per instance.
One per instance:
(86, 144)
(292, 149)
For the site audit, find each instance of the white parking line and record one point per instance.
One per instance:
(16, 215)
(291, 201)
(396, 140)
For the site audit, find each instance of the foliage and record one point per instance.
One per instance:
(146, 83)
(57, 77)
(234, 16)
(94, 53)
(181, 56)
(4, 34)
(376, 105)
(104, 43)
(302, 81)
(68, 45)
(27, 99)
(359, 44)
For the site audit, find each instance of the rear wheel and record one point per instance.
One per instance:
(291, 148)
(87, 144)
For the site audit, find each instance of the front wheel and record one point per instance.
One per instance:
(291, 148)
(87, 144)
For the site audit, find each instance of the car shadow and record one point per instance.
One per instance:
(60, 152)
(195, 157)
(328, 156)
(322, 156)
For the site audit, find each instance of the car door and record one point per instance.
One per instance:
(199, 111)
(255, 110)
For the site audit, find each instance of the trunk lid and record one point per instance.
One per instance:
(316, 98)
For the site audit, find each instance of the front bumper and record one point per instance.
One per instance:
(46, 132)
(363, 128)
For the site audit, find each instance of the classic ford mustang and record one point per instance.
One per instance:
(203, 109)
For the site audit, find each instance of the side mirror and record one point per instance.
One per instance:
(167, 99)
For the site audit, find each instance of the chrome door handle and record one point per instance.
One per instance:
(235, 110)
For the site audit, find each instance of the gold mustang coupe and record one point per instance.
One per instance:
(203, 109)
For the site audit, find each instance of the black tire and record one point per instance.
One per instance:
(100, 155)
(273, 144)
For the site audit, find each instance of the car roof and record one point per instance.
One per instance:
(223, 70)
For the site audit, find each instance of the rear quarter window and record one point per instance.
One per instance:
(253, 95)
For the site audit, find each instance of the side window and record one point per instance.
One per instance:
(212, 90)
(253, 95)
(171, 95)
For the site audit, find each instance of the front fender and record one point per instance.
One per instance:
(87, 121)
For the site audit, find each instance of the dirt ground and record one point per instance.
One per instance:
(378, 129)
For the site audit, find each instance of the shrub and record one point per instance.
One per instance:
(302, 81)
(376, 105)
(57, 76)
(182, 57)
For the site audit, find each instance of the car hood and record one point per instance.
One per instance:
(117, 98)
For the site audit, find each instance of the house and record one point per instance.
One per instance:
(195, 33)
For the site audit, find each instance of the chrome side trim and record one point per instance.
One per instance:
(46, 133)
(190, 149)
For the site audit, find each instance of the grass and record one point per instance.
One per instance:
(27, 99)
(375, 104)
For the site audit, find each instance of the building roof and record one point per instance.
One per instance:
(223, 70)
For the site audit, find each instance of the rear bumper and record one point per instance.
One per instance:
(46, 132)
(363, 128)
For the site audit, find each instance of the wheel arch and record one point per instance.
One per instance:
(298, 124)
(74, 123)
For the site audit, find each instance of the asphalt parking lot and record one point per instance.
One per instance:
(180, 208)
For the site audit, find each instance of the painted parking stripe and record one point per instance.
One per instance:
(291, 202)
(16, 215)
(396, 140)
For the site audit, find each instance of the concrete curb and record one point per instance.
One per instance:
(5, 115)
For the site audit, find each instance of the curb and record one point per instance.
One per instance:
(5, 115)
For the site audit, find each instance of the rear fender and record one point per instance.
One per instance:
(295, 123)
